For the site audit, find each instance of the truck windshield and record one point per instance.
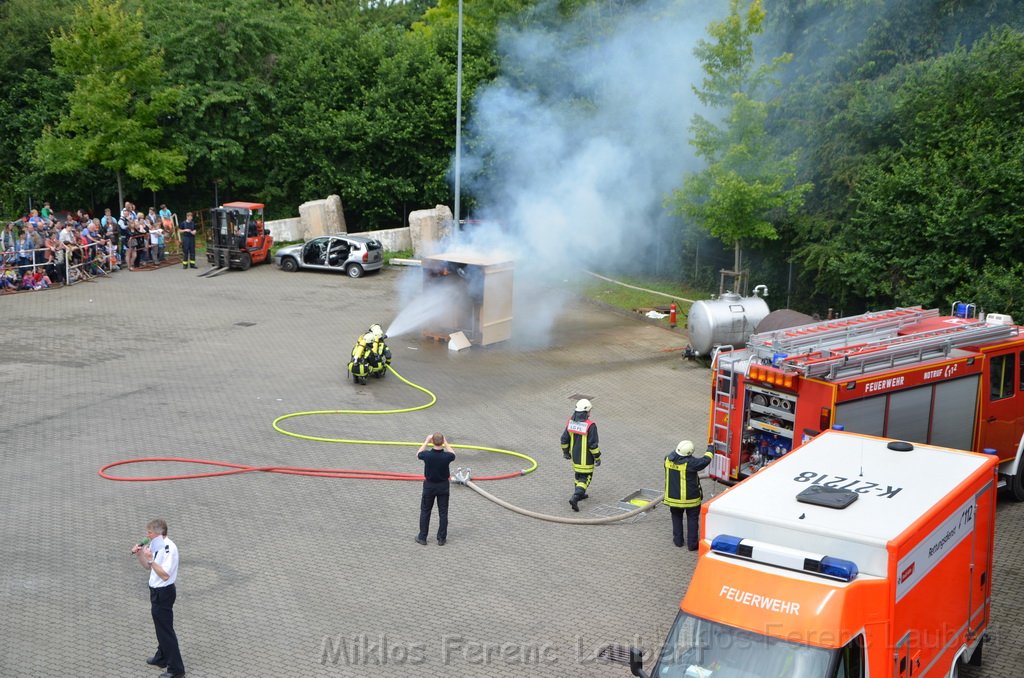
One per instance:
(698, 648)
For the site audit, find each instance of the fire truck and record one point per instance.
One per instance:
(907, 373)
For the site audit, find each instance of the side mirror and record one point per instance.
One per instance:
(633, 657)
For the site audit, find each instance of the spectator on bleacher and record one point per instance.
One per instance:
(37, 221)
(67, 233)
(36, 241)
(7, 238)
(114, 244)
(23, 251)
(55, 263)
(107, 221)
(166, 217)
(156, 236)
(131, 246)
(8, 276)
(46, 212)
(35, 280)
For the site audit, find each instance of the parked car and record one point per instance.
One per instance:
(353, 254)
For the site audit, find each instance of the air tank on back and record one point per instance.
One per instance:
(728, 320)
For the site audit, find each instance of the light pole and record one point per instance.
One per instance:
(458, 123)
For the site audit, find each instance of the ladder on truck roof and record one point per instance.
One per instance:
(882, 354)
(874, 326)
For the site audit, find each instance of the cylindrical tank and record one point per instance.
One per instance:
(729, 319)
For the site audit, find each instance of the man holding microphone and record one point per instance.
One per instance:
(159, 555)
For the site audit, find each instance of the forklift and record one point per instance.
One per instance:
(237, 238)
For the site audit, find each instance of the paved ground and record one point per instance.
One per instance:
(297, 576)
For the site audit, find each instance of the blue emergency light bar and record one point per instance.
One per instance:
(781, 556)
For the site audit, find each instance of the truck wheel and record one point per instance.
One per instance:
(289, 264)
(1016, 483)
(244, 261)
(354, 270)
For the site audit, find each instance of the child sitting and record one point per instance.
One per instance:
(8, 277)
(40, 281)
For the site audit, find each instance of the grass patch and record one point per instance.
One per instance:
(629, 299)
(397, 254)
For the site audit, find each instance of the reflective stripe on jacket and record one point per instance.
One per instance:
(682, 486)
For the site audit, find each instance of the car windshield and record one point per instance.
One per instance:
(698, 648)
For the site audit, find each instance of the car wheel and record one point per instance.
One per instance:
(245, 261)
(354, 270)
(289, 264)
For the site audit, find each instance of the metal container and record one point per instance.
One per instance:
(727, 320)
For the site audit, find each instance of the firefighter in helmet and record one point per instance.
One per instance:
(579, 443)
(380, 354)
(683, 492)
(359, 365)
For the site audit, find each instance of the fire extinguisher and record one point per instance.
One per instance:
(672, 315)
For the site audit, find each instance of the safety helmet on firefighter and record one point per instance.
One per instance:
(583, 405)
(684, 448)
(376, 331)
(368, 338)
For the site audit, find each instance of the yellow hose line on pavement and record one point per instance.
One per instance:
(352, 441)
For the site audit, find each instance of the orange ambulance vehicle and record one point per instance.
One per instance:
(842, 560)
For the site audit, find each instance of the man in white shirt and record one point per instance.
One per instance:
(159, 555)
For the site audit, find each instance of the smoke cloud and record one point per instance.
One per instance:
(572, 151)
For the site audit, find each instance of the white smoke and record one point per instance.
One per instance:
(581, 139)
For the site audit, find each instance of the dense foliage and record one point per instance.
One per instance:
(906, 118)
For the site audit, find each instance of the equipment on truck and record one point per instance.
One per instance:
(908, 373)
(898, 585)
(727, 320)
(237, 238)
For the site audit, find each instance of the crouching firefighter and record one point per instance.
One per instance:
(359, 365)
(683, 492)
(380, 354)
(579, 443)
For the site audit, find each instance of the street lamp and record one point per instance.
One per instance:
(458, 123)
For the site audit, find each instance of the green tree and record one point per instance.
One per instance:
(29, 93)
(119, 98)
(745, 184)
(225, 56)
(933, 165)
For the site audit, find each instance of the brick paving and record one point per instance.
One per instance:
(297, 576)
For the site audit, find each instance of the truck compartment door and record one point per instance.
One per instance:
(981, 564)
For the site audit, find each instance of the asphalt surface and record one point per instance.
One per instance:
(303, 576)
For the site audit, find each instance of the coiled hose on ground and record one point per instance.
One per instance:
(462, 476)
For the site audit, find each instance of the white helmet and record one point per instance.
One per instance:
(376, 331)
(684, 448)
(368, 338)
(583, 405)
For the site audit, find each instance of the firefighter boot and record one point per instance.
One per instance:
(575, 500)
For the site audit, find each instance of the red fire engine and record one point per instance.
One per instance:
(908, 373)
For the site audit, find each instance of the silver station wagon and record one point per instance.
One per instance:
(353, 254)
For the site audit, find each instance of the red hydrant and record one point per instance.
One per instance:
(672, 315)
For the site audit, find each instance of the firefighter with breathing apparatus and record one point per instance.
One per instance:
(683, 492)
(579, 443)
(370, 355)
(380, 354)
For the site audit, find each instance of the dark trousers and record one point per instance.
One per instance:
(582, 482)
(188, 249)
(692, 526)
(162, 606)
(432, 491)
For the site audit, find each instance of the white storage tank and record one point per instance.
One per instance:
(728, 320)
